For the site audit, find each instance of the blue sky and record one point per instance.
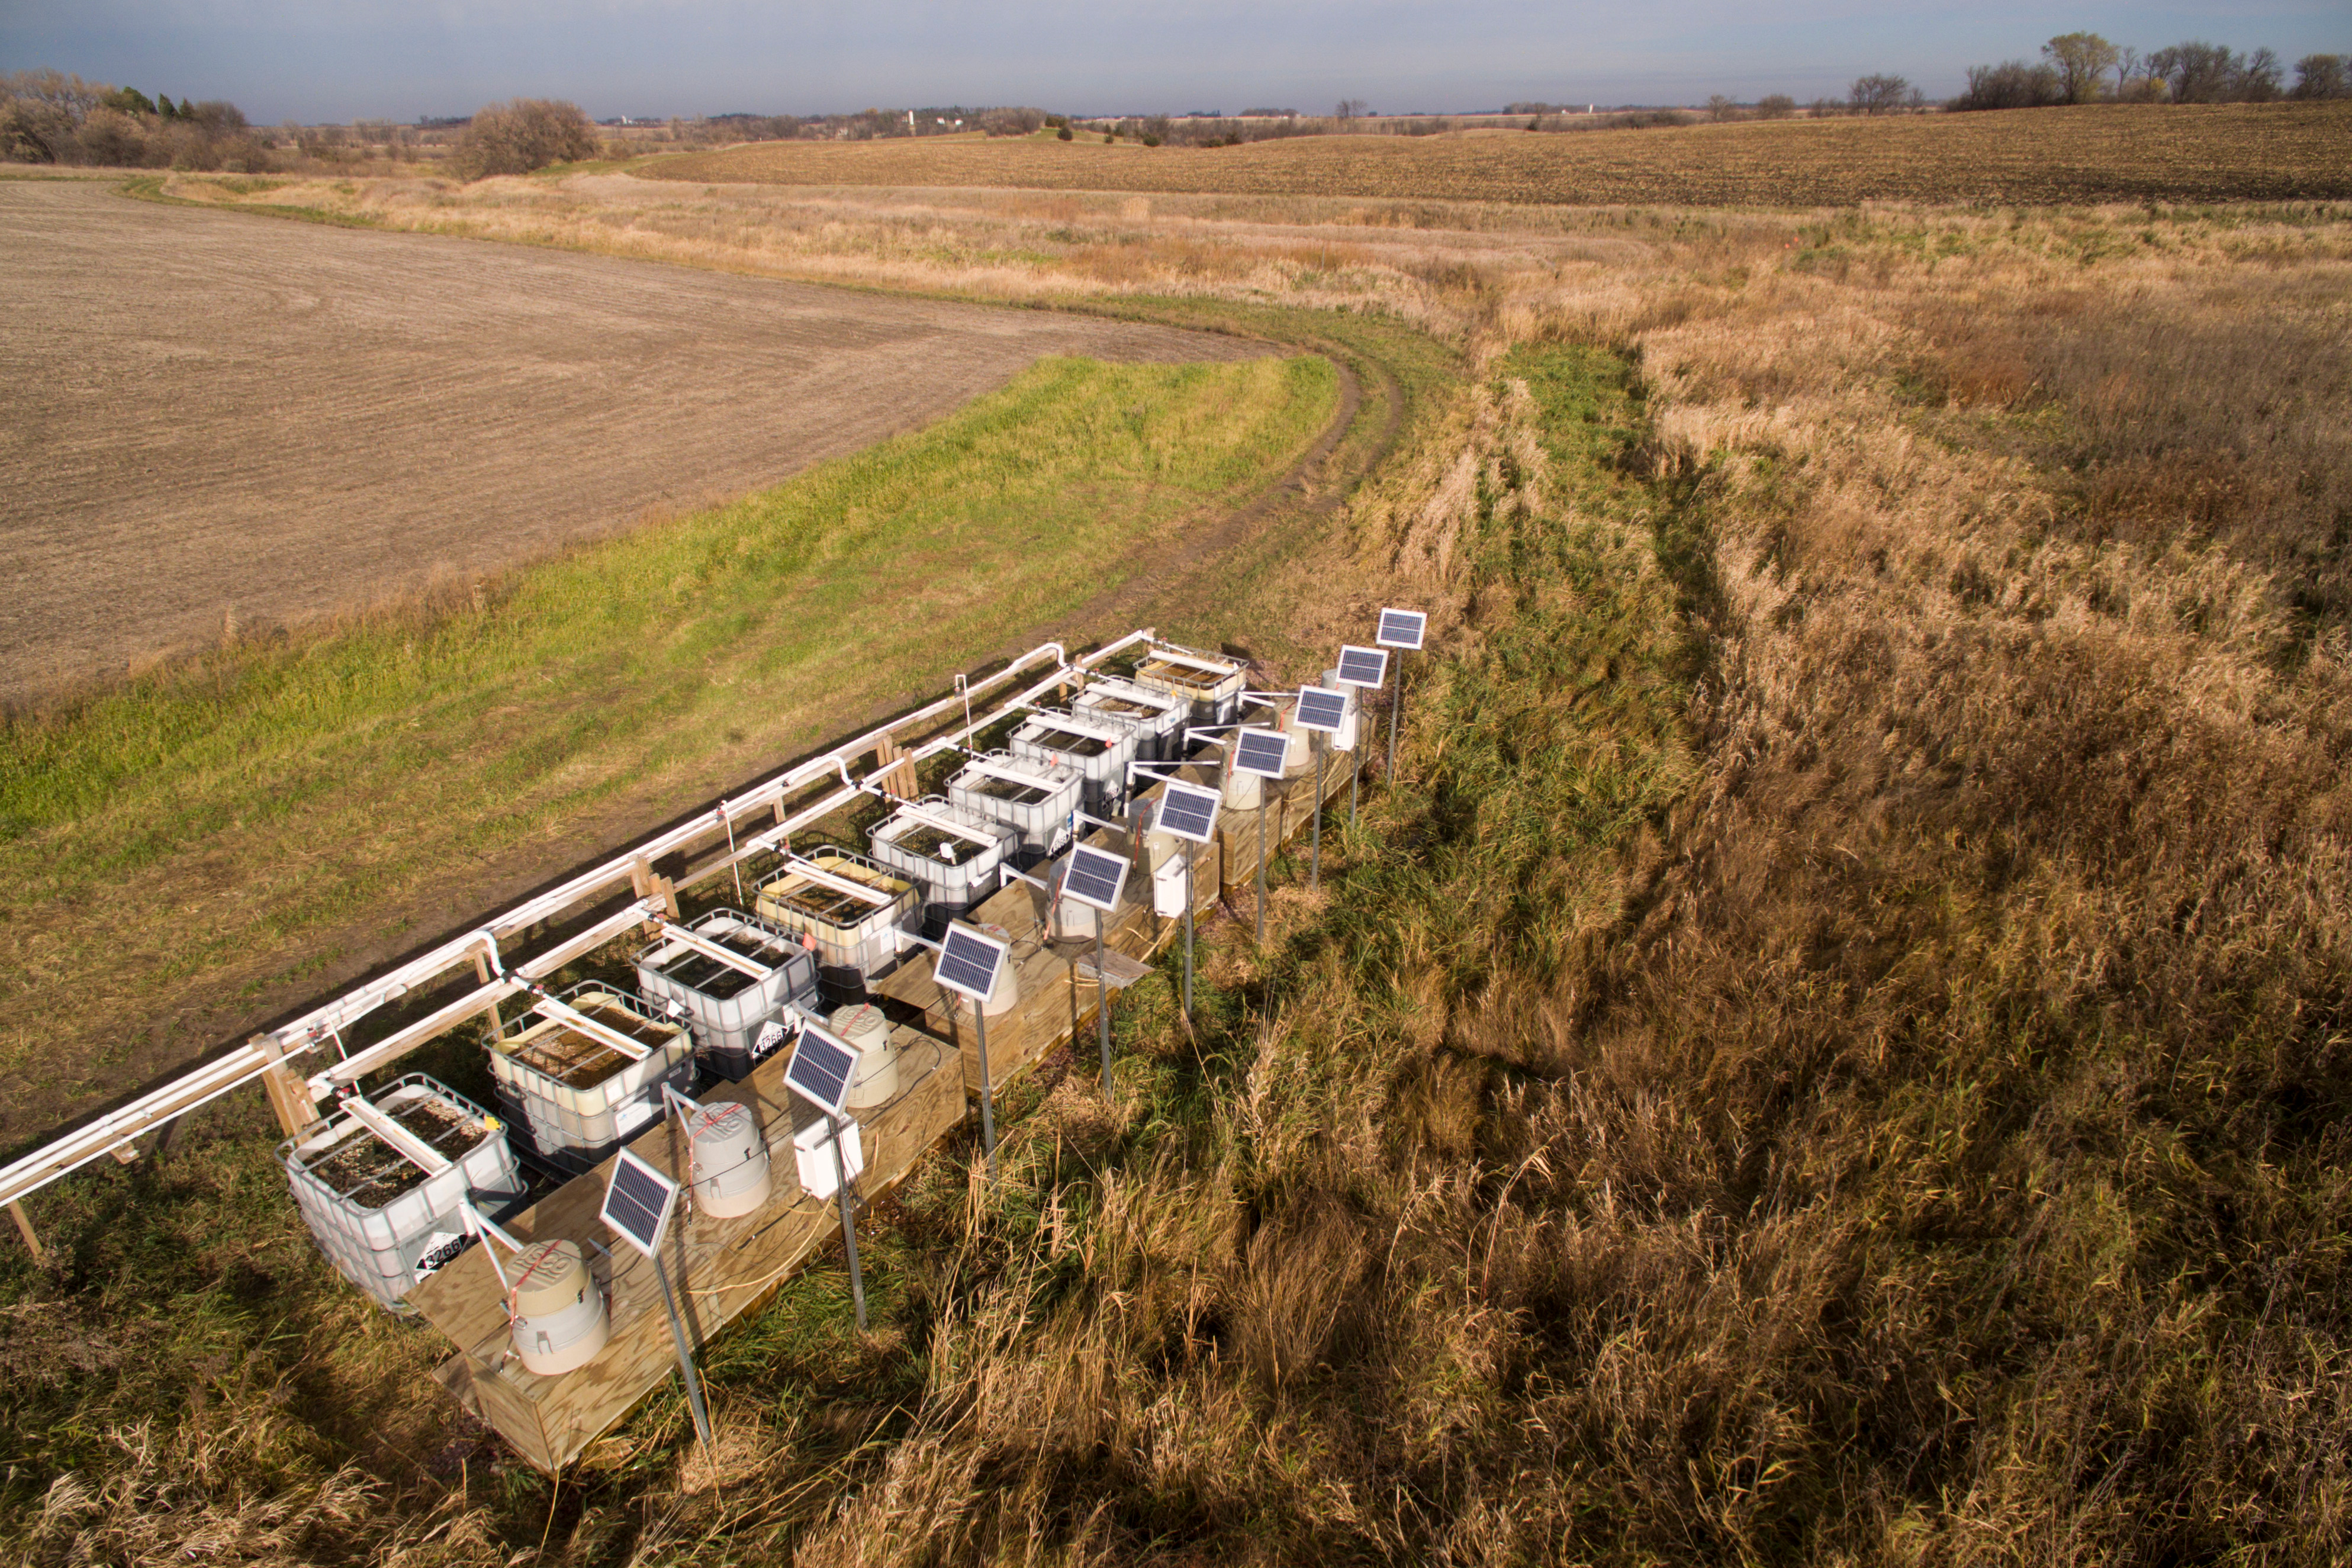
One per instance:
(342, 59)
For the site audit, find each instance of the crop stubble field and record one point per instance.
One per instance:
(2166, 153)
(215, 421)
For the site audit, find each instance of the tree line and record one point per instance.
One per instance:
(48, 117)
(2083, 68)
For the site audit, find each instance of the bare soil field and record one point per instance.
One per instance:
(215, 422)
(2033, 157)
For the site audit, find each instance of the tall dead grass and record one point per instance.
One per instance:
(1833, 1048)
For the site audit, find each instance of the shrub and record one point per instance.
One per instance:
(2012, 84)
(519, 137)
(1011, 122)
(1063, 134)
(1775, 106)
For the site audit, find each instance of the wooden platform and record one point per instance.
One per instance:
(720, 1268)
(723, 1268)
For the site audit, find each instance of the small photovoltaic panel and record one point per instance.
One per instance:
(1402, 629)
(1188, 812)
(1095, 878)
(821, 1070)
(638, 1202)
(1263, 752)
(1321, 708)
(968, 962)
(1363, 666)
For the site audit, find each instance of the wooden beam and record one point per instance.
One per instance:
(289, 1094)
(25, 1230)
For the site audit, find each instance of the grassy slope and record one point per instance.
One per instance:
(297, 798)
(2107, 152)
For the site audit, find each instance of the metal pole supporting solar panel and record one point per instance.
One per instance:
(685, 1361)
(1260, 863)
(848, 1223)
(987, 1098)
(1102, 1002)
(1354, 776)
(1315, 871)
(1187, 852)
(1396, 701)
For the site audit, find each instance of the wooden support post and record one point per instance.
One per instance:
(25, 1230)
(647, 885)
(289, 1094)
(893, 771)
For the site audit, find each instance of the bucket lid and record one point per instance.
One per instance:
(722, 1123)
(859, 1018)
(548, 1277)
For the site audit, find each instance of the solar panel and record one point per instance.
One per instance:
(1362, 666)
(1402, 629)
(821, 1070)
(1188, 812)
(968, 962)
(637, 1204)
(1262, 751)
(1321, 708)
(1095, 878)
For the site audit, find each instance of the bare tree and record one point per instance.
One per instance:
(1351, 108)
(1719, 107)
(2080, 59)
(2322, 76)
(1880, 94)
(2259, 78)
(2196, 72)
(1775, 106)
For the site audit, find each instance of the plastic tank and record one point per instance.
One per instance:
(1158, 718)
(1097, 749)
(858, 913)
(728, 1004)
(1213, 686)
(957, 856)
(1033, 798)
(384, 1221)
(575, 1095)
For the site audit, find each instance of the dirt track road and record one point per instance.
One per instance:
(208, 414)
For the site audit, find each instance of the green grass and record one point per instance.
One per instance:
(214, 819)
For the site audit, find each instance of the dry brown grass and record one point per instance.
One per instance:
(2101, 154)
(1835, 1050)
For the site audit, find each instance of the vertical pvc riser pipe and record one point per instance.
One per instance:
(987, 1098)
(848, 1222)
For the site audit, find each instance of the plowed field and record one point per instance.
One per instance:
(2107, 153)
(215, 421)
